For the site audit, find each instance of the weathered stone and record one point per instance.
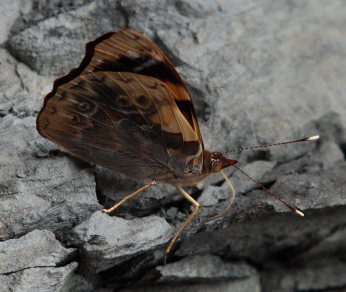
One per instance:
(52, 192)
(115, 187)
(38, 248)
(203, 268)
(107, 241)
(55, 45)
(254, 79)
(321, 275)
(244, 285)
(37, 279)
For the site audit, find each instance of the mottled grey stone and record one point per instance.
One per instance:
(38, 248)
(107, 241)
(22, 89)
(321, 275)
(4, 231)
(10, 11)
(254, 79)
(55, 45)
(115, 186)
(37, 279)
(211, 195)
(52, 192)
(245, 285)
(285, 235)
(204, 268)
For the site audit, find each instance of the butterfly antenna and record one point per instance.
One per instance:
(270, 193)
(311, 138)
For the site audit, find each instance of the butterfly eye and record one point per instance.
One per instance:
(216, 161)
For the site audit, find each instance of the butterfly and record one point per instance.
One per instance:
(126, 108)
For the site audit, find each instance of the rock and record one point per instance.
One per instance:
(203, 268)
(212, 194)
(319, 275)
(22, 90)
(284, 235)
(4, 232)
(244, 285)
(78, 283)
(254, 79)
(55, 45)
(38, 279)
(38, 248)
(10, 10)
(115, 186)
(53, 193)
(107, 241)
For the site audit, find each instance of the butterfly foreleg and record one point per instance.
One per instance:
(153, 183)
(182, 227)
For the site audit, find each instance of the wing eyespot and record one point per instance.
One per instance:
(84, 106)
(75, 118)
(123, 101)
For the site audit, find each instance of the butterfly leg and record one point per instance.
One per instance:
(231, 200)
(153, 183)
(182, 227)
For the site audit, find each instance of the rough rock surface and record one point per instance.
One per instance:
(38, 248)
(259, 72)
(105, 240)
(35, 262)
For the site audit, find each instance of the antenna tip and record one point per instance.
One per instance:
(299, 212)
(312, 138)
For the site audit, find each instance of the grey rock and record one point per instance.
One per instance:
(332, 244)
(115, 186)
(55, 44)
(285, 235)
(197, 8)
(324, 274)
(78, 283)
(52, 193)
(22, 89)
(254, 79)
(107, 241)
(204, 268)
(312, 191)
(244, 285)
(212, 194)
(4, 231)
(38, 248)
(37, 279)
(10, 10)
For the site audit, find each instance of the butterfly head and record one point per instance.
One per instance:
(218, 162)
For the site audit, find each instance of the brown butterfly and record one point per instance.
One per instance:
(126, 108)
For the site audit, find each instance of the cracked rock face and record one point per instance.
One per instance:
(259, 72)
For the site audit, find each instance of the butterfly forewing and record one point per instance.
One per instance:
(129, 51)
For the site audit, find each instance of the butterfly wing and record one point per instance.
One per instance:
(129, 51)
(123, 121)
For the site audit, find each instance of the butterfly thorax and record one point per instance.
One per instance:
(209, 162)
